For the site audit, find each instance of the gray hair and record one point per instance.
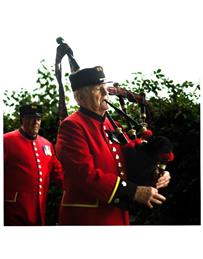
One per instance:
(81, 94)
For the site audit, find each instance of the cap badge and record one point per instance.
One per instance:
(99, 68)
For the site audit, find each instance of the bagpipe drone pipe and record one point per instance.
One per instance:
(62, 50)
(146, 155)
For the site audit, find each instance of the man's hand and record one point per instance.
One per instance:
(148, 195)
(163, 180)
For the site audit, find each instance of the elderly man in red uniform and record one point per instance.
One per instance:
(97, 191)
(29, 159)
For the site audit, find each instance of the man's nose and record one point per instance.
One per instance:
(36, 120)
(104, 90)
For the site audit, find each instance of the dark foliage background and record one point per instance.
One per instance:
(173, 111)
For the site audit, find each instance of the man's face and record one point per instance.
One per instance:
(31, 125)
(95, 100)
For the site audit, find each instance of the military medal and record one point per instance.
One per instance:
(47, 150)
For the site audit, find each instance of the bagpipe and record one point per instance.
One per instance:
(146, 155)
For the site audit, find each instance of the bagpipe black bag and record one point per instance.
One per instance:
(142, 161)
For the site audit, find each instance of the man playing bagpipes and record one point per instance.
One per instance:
(97, 188)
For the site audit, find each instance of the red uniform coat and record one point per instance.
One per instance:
(27, 167)
(93, 168)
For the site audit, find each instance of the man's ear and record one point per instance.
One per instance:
(81, 97)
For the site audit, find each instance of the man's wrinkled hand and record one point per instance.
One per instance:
(148, 195)
(163, 180)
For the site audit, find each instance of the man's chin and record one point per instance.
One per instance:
(104, 110)
(34, 133)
